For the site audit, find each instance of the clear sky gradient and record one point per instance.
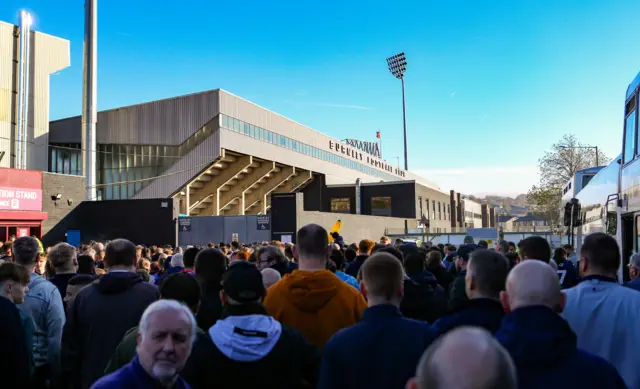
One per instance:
(491, 84)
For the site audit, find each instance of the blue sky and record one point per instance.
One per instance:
(490, 83)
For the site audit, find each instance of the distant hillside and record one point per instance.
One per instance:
(513, 206)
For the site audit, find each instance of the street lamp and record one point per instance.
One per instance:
(584, 147)
(398, 65)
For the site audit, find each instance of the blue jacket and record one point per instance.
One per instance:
(381, 351)
(611, 310)
(348, 279)
(133, 376)
(481, 312)
(43, 304)
(634, 284)
(544, 350)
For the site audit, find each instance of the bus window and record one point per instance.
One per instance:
(630, 131)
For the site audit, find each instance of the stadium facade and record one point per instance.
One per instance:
(218, 154)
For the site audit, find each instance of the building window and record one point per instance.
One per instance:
(434, 208)
(449, 212)
(341, 205)
(420, 206)
(439, 211)
(381, 206)
(428, 213)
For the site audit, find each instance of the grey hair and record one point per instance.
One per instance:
(635, 261)
(177, 260)
(168, 305)
(25, 251)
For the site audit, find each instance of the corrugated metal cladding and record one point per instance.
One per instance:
(48, 55)
(184, 169)
(162, 122)
(7, 73)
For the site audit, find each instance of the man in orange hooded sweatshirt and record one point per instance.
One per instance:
(312, 299)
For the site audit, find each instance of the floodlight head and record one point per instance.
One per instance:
(397, 65)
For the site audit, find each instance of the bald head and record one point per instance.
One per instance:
(269, 277)
(465, 358)
(532, 283)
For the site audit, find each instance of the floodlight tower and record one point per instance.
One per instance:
(397, 66)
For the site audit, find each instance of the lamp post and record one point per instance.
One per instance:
(397, 66)
(585, 147)
(90, 97)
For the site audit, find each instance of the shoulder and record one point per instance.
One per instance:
(595, 364)
(115, 380)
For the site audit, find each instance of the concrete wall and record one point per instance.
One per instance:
(438, 220)
(70, 187)
(354, 227)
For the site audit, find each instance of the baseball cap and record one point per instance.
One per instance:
(242, 281)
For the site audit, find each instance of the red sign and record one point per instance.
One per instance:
(23, 232)
(19, 199)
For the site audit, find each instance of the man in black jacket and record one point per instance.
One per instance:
(14, 358)
(247, 348)
(485, 278)
(101, 314)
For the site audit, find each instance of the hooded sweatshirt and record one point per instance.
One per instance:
(99, 317)
(248, 349)
(316, 303)
(544, 350)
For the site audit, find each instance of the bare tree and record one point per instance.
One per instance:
(557, 166)
(564, 159)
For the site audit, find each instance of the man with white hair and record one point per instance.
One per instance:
(634, 272)
(165, 337)
(465, 358)
(541, 343)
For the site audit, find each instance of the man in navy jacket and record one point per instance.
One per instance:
(382, 350)
(541, 343)
(484, 280)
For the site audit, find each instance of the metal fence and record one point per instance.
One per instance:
(201, 230)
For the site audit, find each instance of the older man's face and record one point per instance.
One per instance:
(166, 345)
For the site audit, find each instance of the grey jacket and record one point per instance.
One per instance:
(44, 304)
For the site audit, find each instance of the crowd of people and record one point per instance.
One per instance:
(318, 314)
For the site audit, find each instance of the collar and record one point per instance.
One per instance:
(600, 278)
(139, 371)
(119, 271)
(382, 310)
(485, 303)
(243, 310)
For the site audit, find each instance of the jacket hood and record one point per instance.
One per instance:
(310, 291)
(537, 337)
(361, 257)
(422, 278)
(114, 283)
(246, 338)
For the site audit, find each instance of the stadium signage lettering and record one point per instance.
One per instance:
(370, 148)
(357, 155)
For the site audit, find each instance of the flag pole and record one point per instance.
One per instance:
(379, 136)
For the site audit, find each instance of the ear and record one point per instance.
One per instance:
(504, 299)
(584, 266)
(294, 250)
(139, 338)
(363, 290)
(562, 302)
(223, 298)
(401, 291)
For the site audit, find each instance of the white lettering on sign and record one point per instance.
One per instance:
(20, 199)
(18, 194)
